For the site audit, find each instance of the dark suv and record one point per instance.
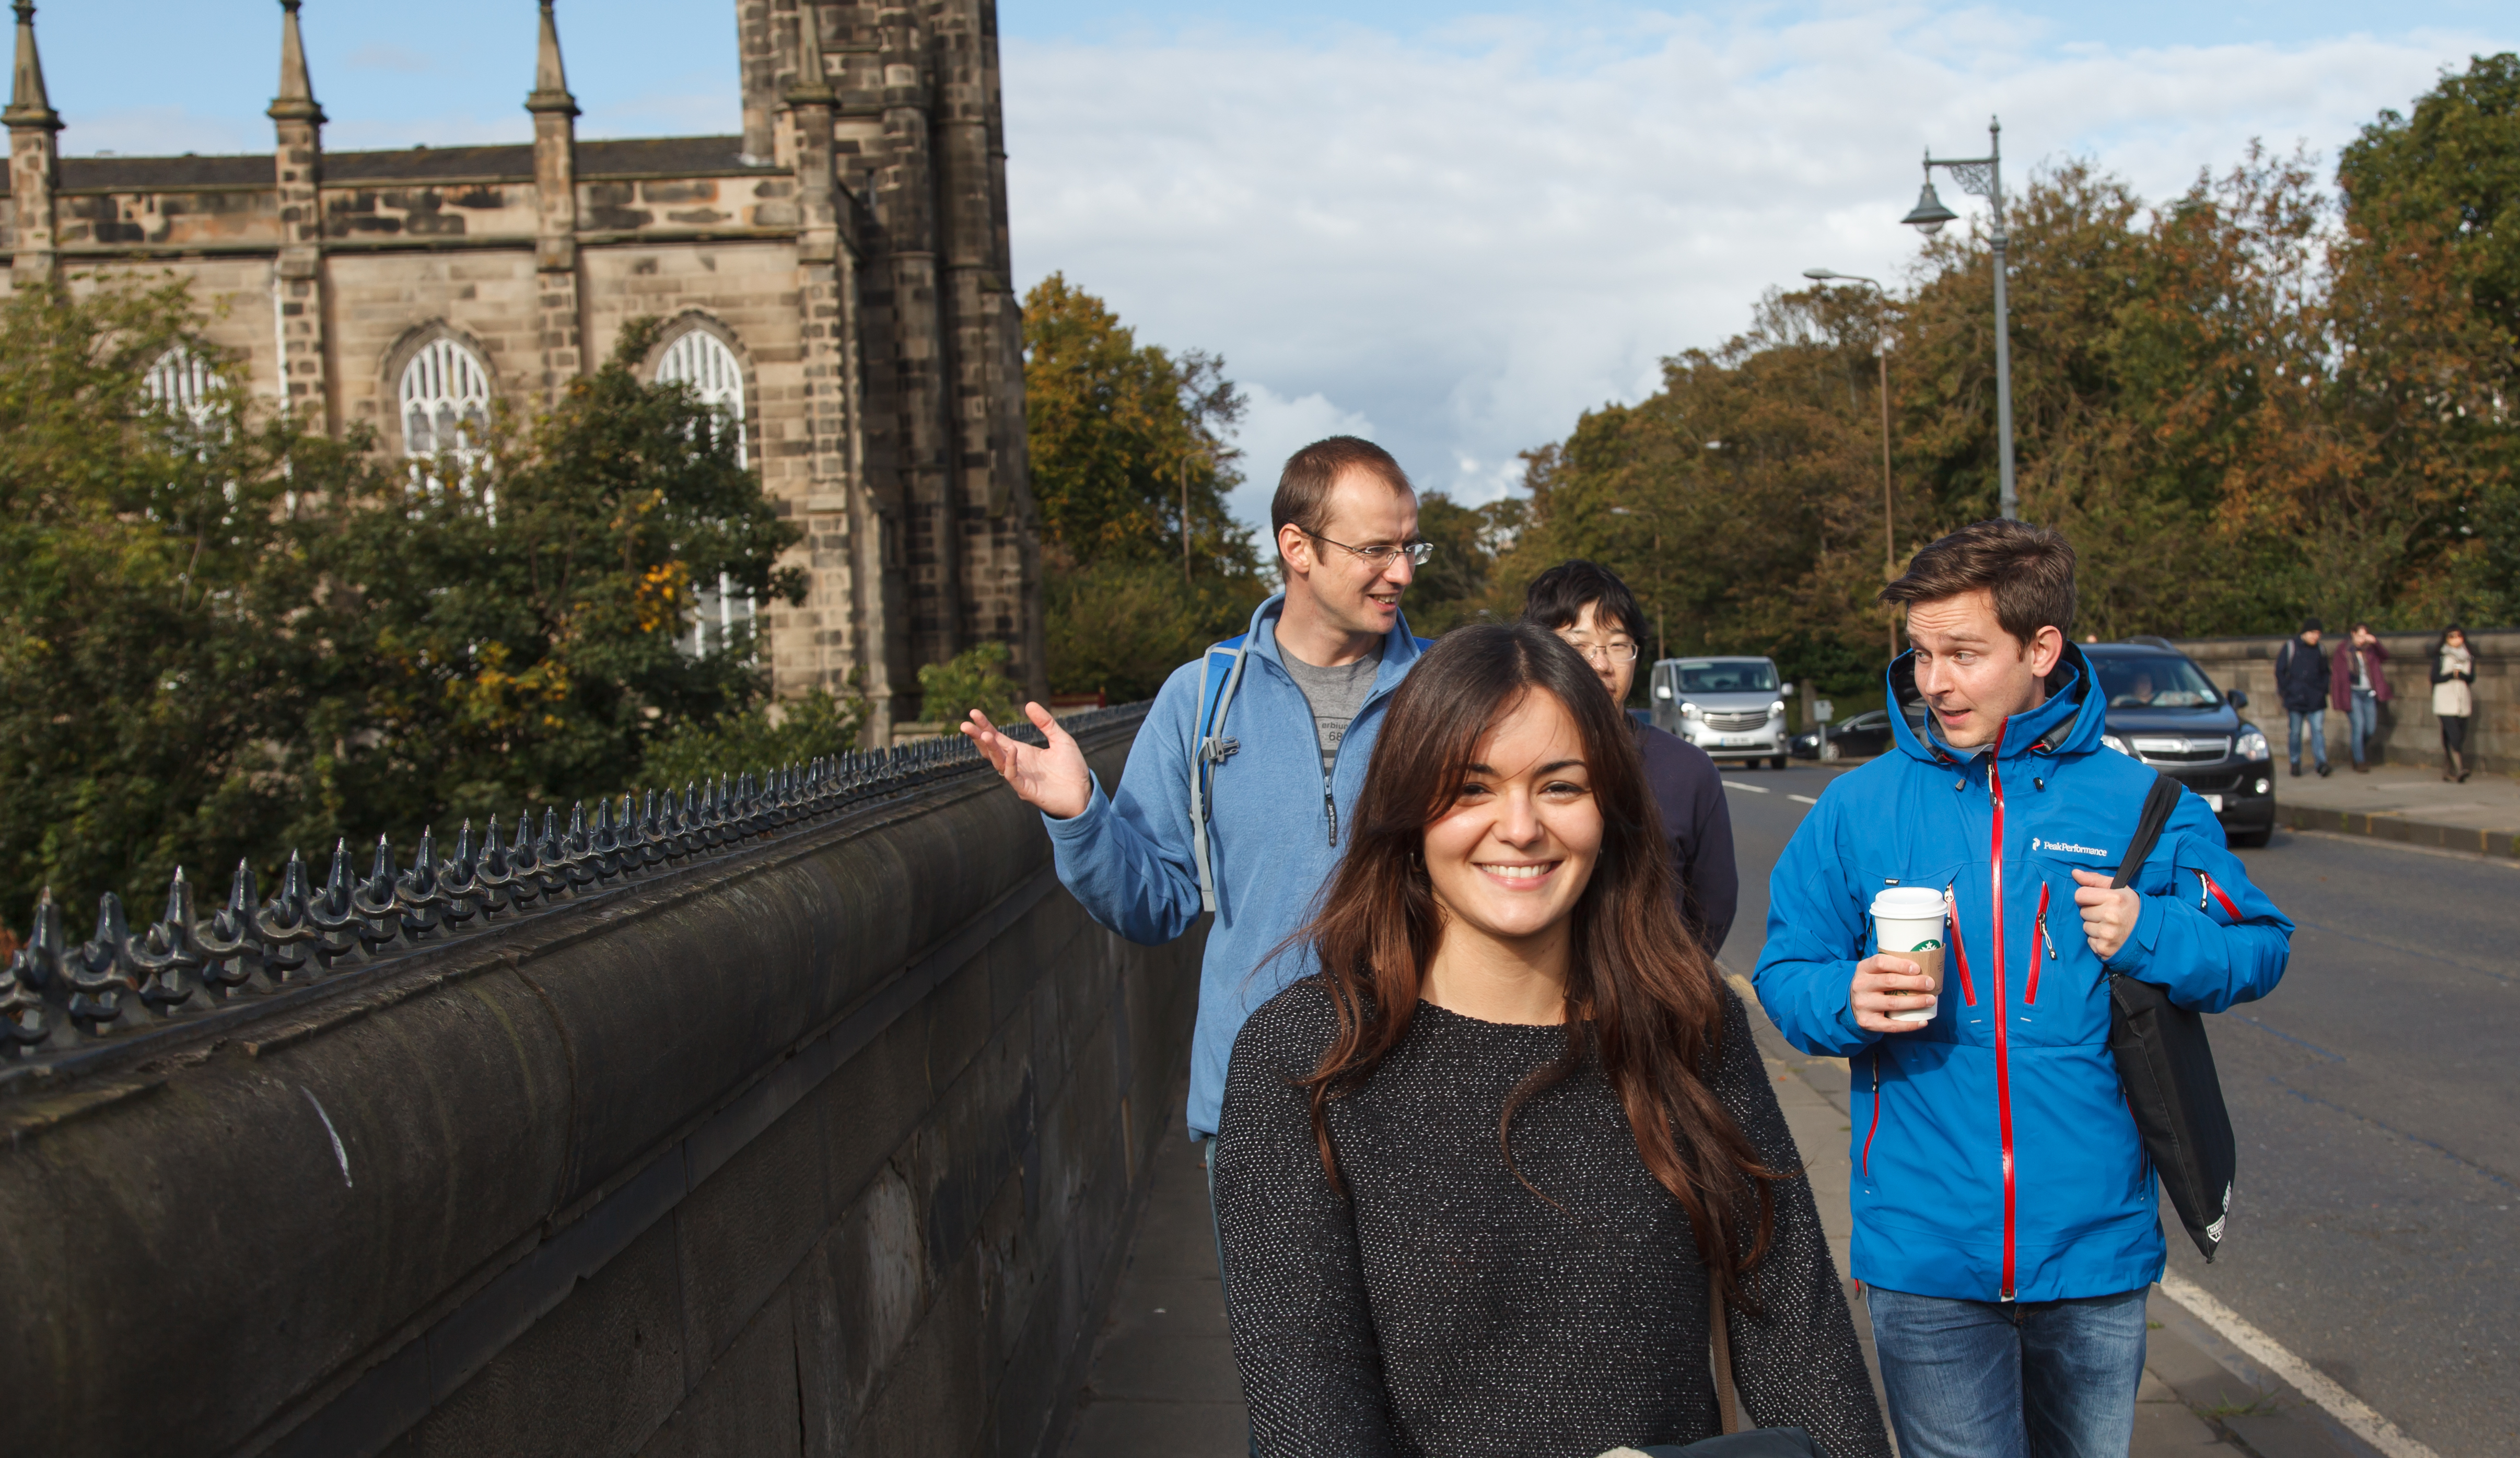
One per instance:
(2164, 712)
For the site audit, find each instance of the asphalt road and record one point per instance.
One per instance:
(2378, 1113)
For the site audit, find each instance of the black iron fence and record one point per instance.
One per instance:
(59, 999)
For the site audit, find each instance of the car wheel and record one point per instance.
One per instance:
(2249, 839)
(1778, 763)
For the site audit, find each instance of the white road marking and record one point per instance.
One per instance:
(2342, 1405)
(338, 1153)
(1753, 789)
(1805, 798)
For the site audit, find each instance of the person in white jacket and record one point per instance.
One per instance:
(2453, 699)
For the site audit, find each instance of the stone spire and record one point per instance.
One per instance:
(296, 99)
(810, 100)
(551, 82)
(35, 157)
(297, 156)
(813, 86)
(29, 106)
(554, 112)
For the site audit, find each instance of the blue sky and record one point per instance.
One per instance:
(1451, 226)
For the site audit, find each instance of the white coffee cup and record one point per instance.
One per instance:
(1910, 924)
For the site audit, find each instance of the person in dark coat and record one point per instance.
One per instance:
(2300, 681)
(1586, 604)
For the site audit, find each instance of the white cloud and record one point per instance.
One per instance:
(1275, 428)
(1471, 237)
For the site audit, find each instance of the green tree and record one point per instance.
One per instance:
(150, 673)
(974, 678)
(517, 633)
(1117, 430)
(2427, 334)
(762, 737)
(222, 637)
(1120, 434)
(1457, 582)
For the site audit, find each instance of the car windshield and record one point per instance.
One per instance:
(1750, 676)
(2161, 681)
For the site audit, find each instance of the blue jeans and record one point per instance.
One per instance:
(2318, 718)
(2364, 718)
(2019, 1379)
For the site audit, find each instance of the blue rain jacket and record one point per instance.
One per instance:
(1995, 1159)
(1275, 831)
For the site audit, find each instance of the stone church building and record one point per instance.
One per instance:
(836, 277)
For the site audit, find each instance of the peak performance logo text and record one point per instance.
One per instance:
(2066, 846)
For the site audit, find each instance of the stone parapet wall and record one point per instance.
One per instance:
(2409, 732)
(827, 1146)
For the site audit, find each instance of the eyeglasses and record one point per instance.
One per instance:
(1616, 649)
(1380, 557)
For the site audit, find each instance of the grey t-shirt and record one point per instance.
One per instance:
(1334, 694)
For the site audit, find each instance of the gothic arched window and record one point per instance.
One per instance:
(702, 360)
(445, 407)
(181, 383)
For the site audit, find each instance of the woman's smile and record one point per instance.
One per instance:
(1520, 876)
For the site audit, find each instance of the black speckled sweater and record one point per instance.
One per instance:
(1448, 1311)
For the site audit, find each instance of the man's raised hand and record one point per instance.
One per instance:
(1052, 780)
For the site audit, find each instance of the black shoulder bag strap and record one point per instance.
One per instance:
(2167, 1068)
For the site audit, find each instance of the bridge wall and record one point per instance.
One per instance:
(824, 1147)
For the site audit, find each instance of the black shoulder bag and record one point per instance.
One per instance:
(2166, 1069)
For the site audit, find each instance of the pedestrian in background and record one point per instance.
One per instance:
(2357, 685)
(2006, 1219)
(2300, 681)
(2453, 699)
(1586, 604)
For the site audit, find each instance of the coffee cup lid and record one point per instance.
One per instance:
(1908, 904)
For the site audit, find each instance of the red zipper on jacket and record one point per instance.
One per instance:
(2002, 1062)
(2230, 910)
(1875, 1126)
(1959, 954)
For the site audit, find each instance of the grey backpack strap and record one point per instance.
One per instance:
(1208, 748)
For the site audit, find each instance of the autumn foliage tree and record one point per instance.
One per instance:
(2254, 401)
(1128, 441)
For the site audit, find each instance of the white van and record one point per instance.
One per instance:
(1731, 707)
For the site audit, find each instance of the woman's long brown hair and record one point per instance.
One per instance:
(1640, 990)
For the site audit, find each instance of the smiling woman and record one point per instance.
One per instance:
(1479, 1180)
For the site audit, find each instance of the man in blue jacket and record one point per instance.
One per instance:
(1286, 754)
(2005, 1219)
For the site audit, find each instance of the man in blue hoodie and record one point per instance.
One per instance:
(2006, 1224)
(1285, 755)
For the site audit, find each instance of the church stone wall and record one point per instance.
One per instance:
(870, 305)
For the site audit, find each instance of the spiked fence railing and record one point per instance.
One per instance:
(60, 998)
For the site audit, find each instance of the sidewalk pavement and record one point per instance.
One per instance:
(2409, 802)
(1163, 1383)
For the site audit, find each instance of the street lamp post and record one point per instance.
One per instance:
(1881, 355)
(1196, 450)
(1982, 176)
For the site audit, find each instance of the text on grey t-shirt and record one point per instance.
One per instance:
(1335, 695)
